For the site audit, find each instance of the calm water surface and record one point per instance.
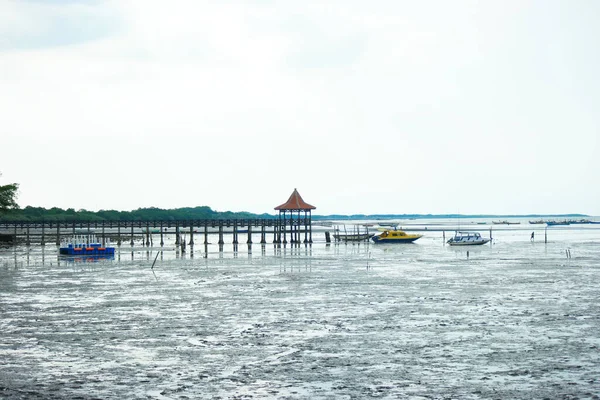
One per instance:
(512, 320)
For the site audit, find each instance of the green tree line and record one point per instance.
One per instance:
(56, 214)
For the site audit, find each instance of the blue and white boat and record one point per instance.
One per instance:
(467, 239)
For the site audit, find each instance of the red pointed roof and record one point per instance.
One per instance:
(295, 202)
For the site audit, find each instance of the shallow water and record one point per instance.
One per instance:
(514, 319)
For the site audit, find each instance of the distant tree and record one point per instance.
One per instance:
(8, 197)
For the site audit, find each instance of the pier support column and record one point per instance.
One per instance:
(221, 234)
(119, 234)
(249, 241)
(235, 233)
(191, 237)
(305, 228)
(284, 229)
(43, 242)
(131, 235)
(27, 241)
(176, 235)
(162, 241)
(205, 234)
(263, 233)
(58, 234)
(310, 228)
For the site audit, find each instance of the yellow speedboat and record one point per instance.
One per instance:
(395, 236)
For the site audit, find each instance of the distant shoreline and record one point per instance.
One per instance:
(440, 216)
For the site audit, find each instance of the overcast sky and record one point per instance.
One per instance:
(363, 106)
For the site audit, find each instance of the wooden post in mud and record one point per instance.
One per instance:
(191, 236)
(118, 234)
(305, 228)
(27, 241)
(147, 234)
(284, 229)
(205, 233)
(131, 236)
(43, 242)
(221, 233)
(176, 235)
(235, 233)
(444, 236)
(162, 242)
(327, 237)
(294, 235)
(263, 233)
(546, 234)
(310, 228)
(103, 237)
(58, 234)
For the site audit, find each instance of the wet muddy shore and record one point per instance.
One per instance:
(511, 320)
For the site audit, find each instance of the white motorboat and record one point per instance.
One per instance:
(467, 239)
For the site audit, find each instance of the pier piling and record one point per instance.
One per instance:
(162, 241)
(221, 242)
(263, 233)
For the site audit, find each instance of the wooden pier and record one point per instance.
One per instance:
(270, 230)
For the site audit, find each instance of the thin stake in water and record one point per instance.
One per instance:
(155, 258)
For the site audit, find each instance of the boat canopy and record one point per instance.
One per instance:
(468, 234)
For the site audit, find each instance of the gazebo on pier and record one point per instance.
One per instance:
(294, 207)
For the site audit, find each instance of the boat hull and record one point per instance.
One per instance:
(377, 239)
(395, 236)
(469, 243)
(87, 251)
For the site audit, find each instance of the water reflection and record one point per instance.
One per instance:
(83, 259)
